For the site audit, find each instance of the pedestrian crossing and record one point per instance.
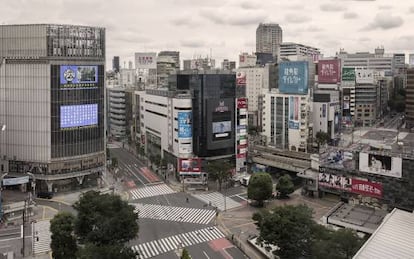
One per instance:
(150, 191)
(164, 245)
(217, 200)
(42, 237)
(179, 214)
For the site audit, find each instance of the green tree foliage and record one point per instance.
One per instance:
(63, 239)
(104, 219)
(285, 186)
(260, 187)
(185, 254)
(220, 171)
(292, 229)
(322, 138)
(289, 228)
(114, 251)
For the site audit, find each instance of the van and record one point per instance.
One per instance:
(245, 180)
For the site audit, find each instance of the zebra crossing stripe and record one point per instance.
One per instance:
(150, 191)
(171, 243)
(179, 214)
(217, 199)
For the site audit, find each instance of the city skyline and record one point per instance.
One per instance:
(227, 28)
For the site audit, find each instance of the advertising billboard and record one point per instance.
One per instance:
(367, 188)
(293, 77)
(184, 125)
(348, 74)
(241, 79)
(189, 165)
(78, 77)
(364, 76)
(241, 103)
(329, 71)
(339, 182)
(221, 127)
(380, 164)
(16, 181)
(293, 112)
(78, 115)
(145, 60)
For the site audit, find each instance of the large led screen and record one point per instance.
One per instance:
(221, 127)
(78, 76)
(184, 125)
(380, 164)
(78, 115)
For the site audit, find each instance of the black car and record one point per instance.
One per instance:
(45, 195)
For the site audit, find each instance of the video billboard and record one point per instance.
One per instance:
(72, 116)
(348, 74)
(293, 77)
(367, 188)
(221, 127)
(189, 165)
(241, 103)
(145, 60)
(241, 79)
(364, 76)
(78, 76)
(293, 112)
(184, 124)
(329, 71)
(380, 164)
(335, 181)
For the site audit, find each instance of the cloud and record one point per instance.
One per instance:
(385, 7)
(192, 43)
(236, 18)
(294, 18)
(403, 43)
(364, 39)
(332, 7)
(350, 15)
(385, 21)
(184, 21)
(249, 5)
(411, 10)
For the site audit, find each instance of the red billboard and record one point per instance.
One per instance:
(241, 103)
(189, 165)
(366, 188)
(329, 71)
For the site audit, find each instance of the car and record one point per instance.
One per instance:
(45, 195)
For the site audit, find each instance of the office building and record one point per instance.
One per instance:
(326, 113)
(52, 100)
(377, 61)
(115, 64)
(175, 55)
(199, 64)
(268, 38)
(165, 68)
(119, 111)
(409, 99)
(247, 60)
(292, 51)
(228, 65)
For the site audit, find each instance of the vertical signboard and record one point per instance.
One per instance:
(241, 78)
(185, 132)
(293, 77)
(329, 71)
(241, 134)
(293, 112)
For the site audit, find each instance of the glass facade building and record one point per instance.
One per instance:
(52, 100)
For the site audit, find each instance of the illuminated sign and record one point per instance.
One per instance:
(78, 76)
(221, 107)
(78, 115)
(184, 125)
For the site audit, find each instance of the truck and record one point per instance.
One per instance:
(245, 180)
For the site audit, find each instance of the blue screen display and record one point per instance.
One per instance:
(74, 75)
(293, 77)
(184, 125)
(78, 115)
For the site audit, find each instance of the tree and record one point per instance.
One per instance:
(220, 171)
(322, 138)
(63, 239)
(260, 187)
(185, 254)
(106, 252)
(285, 186)
(289, 227)
(104, 219)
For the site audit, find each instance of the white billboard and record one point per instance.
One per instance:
(145, 60)
(364, 76)
(380, 164)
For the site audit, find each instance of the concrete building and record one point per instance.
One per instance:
(398, 62)
(326, 113)
(292, 51)
(175, 55)
(127, 77)
(228, 65)
(409, 99)
(115, 64)
(269, 36)
(165, 68)
(52, 99)
(247, 60)
(199, 64)
(119, 111)
(377, 61)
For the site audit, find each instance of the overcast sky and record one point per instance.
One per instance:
(228, 27)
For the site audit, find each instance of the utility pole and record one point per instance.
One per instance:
(24, 223)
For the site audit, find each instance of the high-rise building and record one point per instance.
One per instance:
(52, 100)
(409, 99)
(269, 38)
(199, 64)
(175, 55)
(293, 51)
(228, 65)
(115, 64)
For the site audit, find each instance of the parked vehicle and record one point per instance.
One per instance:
(45, 195)
(245, 180)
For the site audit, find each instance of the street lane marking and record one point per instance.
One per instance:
(150, 191)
